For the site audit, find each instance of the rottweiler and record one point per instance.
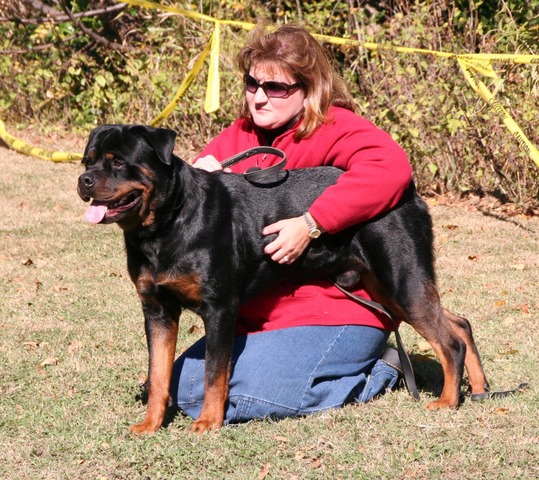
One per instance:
(193, 240)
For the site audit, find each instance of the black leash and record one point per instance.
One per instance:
(259, 175)
(478, 397)
(407, 370)
(273, 174)
(276, 173)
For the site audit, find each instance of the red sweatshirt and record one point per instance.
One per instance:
(376, 174)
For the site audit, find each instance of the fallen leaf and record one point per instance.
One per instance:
(473, 258)
(524, 308)
(499, 303)
(31, 345)
(264, 471)
(508, 353)
(49, 361)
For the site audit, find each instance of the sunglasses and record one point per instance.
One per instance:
(271, 89)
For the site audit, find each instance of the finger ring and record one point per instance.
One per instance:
(286, 258)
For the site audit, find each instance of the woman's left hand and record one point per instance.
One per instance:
(292, 239)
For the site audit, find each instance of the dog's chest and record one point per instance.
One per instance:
(162, 287)
(159, 278)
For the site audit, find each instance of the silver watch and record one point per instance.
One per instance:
(314, 232)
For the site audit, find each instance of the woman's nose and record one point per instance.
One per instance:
(260, 95)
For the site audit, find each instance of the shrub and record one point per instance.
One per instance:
(124, 65)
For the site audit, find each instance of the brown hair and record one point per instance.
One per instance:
(294, 50)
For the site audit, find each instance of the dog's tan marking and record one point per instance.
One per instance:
(187, 286)
(162, 351)
(213, 410)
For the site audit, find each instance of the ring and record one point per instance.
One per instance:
(286, 258)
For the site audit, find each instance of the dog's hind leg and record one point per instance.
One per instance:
(423, 311)
(433, 326)
(477, 381)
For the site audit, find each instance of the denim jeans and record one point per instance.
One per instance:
(290, 372)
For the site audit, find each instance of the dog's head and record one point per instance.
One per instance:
(124, 165)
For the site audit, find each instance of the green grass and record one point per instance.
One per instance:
(73, 355)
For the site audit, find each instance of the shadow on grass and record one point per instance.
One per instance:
(428, 374)
(171, 412)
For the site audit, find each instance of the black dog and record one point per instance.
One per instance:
(194, 241)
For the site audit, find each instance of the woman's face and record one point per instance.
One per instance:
(270, 112)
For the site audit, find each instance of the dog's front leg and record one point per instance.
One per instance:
(161, 335)
(219, 345)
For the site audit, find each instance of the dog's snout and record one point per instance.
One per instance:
(87, 180)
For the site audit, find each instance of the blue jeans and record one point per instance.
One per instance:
(290, 372)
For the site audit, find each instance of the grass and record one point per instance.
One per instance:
(74, 354)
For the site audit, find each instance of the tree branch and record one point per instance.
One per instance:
(96, 37)
(55, 16)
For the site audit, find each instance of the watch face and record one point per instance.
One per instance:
(314, 233)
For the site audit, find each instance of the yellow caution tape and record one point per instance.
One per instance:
(22, 147)
(188, 13)
(212, 91)
(480, 88)
(182, 88)
(480, 57)
(471, 65)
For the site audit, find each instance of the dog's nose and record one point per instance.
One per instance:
(87, 180)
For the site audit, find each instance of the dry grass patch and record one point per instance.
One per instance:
(73, 354)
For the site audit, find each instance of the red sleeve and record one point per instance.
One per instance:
(376, 174)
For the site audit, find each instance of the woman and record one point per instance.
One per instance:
(302, 348)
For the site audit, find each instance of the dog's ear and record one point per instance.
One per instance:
(162, 140)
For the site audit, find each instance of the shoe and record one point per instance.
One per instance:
(391, 357)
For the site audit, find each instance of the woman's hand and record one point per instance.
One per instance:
(210, 164)
(292, 239)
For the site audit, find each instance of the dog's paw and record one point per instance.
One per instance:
(439, 404)
(143, 428)
(200, 426)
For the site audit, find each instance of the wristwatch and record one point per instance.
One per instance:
(314, 232)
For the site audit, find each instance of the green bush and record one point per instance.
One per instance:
(58, 73)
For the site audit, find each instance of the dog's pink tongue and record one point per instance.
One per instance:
(96, 212)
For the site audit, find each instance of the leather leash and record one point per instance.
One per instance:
(407, 370)
(478, 397)
(273, 175)
(259, 175)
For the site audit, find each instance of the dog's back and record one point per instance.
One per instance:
(395, 242)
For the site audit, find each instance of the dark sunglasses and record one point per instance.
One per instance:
(271, 89)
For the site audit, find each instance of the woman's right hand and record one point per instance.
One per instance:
(210, 164)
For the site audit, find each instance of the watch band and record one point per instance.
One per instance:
(314, 231)
(308, 221)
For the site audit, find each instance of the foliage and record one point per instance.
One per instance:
(125, 65)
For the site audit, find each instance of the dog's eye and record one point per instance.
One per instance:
(116, 163)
